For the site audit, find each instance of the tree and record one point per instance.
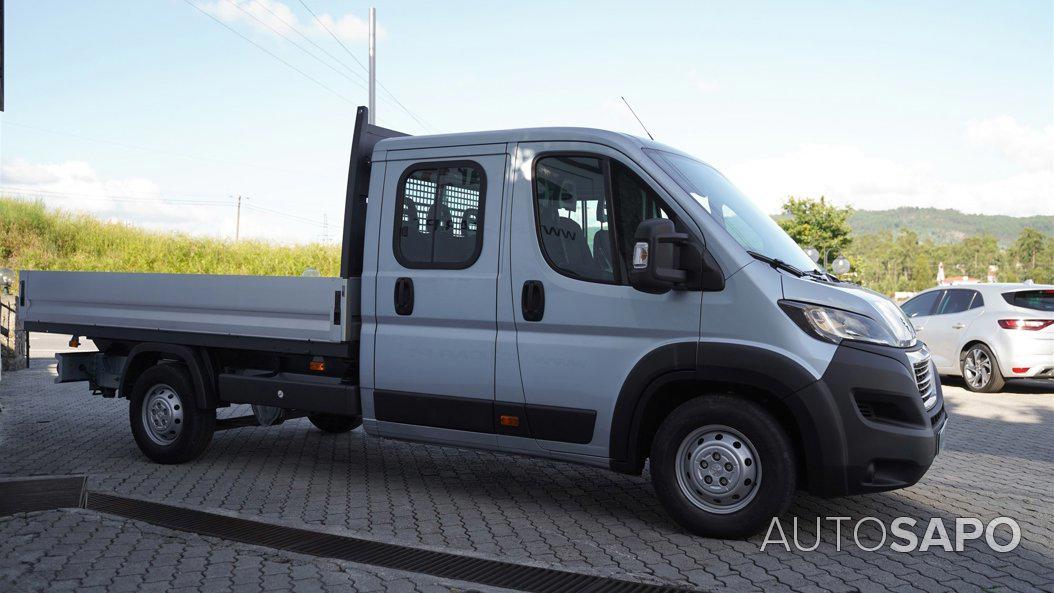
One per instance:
(817, 223)
(1026, 252)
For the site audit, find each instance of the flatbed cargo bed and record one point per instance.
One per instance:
(288, 314)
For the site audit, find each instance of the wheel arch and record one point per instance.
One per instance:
(145, 355)
(674, 374)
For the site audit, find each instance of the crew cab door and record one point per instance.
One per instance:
(580, 327)
(437, 263)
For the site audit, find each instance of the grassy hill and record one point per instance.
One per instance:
(947, 226)
(32, 237)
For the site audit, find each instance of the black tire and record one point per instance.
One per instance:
(334, 424)
(776, 479)
(995, 381)
(195, 426)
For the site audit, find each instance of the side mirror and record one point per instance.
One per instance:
(664, 260)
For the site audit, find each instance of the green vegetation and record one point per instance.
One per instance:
(896, 258)
(899, 259)
(34, 238)
(817, 224)
(947, 226)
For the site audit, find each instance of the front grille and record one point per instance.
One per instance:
(924, 376)
(923, 368)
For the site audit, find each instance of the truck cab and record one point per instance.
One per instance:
(575, 294)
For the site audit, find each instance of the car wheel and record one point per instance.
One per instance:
(980, 370)
(334, 424)
(166, 424)
(722, 466)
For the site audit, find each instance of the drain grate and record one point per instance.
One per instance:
(40, 493)
(441, 564)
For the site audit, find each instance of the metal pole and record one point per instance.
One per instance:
(238, 221)
(373, 65)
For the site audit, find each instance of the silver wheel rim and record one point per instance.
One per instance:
(162, 415)
(977, 368)
(718, 469)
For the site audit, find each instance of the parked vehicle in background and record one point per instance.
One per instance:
(987, 333)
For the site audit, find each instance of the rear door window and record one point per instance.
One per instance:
(956, 301)
(1039, 300)
(439, 216)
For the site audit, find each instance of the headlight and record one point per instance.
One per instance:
(835, 325)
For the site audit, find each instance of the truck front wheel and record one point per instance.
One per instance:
(722, 466)
(166, 424)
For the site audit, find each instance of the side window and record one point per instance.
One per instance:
(956, 301)
(572, 211)
(921, 305)
(978, 301)
(635, 202)
(439, 215)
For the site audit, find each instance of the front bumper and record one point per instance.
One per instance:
(872, 430)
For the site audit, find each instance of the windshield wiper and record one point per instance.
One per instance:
(822, 275)
(776, 263)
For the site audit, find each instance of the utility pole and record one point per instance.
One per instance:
(238, 221)
(373, 66)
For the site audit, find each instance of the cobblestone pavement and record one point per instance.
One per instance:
(81, 551)
(998, 459)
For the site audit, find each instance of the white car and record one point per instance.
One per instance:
(987, 333)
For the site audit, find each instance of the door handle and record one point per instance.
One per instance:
(959, 326)
(532, 300)
(404, 296)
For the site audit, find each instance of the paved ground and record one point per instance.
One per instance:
(998, 460)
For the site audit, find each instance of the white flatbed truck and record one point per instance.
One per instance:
(570, 293)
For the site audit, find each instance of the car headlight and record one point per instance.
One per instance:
(834, 325)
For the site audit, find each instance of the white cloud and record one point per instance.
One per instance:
(847, 175)
(706, 86)
(1030, 147)
(75, 186)
(268, 16)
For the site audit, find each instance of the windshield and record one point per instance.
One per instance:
(748, 225)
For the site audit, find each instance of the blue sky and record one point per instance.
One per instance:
(151, 112)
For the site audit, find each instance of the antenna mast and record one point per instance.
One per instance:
(638, 119)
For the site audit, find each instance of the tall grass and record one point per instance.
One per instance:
(35, 238)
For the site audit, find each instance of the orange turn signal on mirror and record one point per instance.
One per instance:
(317, 365)
(513, 421)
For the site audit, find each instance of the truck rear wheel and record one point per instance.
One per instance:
(334, 424)
(166, 424)
(723, 466)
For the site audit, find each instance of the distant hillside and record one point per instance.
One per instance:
(947, 226)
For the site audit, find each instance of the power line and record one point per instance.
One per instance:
(29, 191)
(283, 214)
(270, 53)
(295, 44)
(110, 197)
(309, 40)
(420, 122)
